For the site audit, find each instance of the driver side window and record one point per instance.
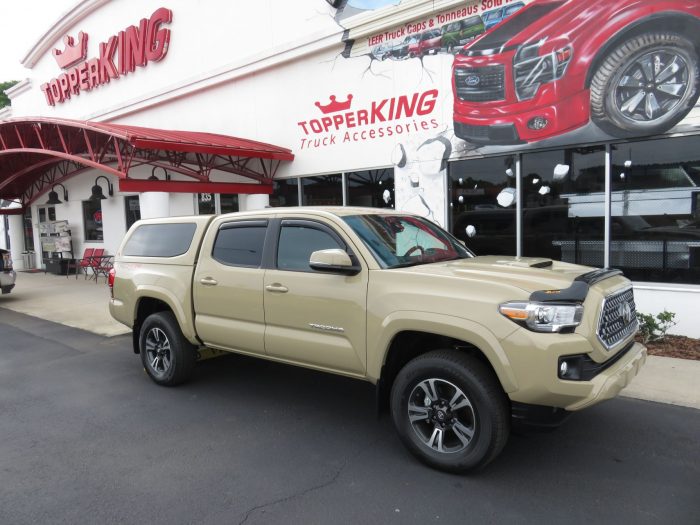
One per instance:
(298, 242)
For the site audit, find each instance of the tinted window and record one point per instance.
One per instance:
(297, 243)
(160, 240)
(240, 245)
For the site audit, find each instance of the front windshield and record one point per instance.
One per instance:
(404, 240)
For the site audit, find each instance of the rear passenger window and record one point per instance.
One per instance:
(240, 244)
(297, 243)
(160, 240)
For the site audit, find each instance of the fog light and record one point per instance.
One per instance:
(570, 367)
(563, 368)
(537, 123)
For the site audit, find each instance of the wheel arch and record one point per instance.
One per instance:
(680, 23)
(154, 301)
(412, 338)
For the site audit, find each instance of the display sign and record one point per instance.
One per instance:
(118, 56)
(486, 77)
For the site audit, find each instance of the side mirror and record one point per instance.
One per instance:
(334, 260)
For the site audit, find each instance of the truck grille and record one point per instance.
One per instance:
(480, 84)
(618, 318)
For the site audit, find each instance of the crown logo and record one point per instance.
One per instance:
(334, 105)
(73, 52)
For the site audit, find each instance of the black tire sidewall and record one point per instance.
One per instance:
(603, 98)
(181, 352)
(471, 380)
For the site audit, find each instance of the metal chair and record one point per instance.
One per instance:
(80, 264)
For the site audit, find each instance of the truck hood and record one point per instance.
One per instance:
(542, 19)
(529, 274)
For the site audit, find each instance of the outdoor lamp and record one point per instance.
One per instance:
(153, 173)
(53, 196)
(97, 194)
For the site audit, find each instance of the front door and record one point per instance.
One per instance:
(314, 318)
(228, 286)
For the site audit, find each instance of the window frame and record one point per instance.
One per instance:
(244, 223)
(307, 223)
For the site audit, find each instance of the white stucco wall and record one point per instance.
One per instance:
(683, 300)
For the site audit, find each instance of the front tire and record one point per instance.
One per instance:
(646, 85)
(450, 411)
(167, 356)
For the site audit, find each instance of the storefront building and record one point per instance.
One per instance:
(541, 128)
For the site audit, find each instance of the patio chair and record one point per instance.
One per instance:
(103, 266)
(95, 262)
(80, 264)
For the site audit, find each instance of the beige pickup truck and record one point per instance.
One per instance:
(458, 346)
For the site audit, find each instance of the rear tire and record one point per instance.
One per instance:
(167, 356)
(450, 411)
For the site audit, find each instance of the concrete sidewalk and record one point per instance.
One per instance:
(79, 303)
(84, 304)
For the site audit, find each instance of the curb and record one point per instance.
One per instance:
(667, 380)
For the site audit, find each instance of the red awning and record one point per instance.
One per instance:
(36, 153)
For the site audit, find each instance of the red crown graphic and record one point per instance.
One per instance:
(73, 53)
(334, 105)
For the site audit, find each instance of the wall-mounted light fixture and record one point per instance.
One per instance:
(53, 196)
(153, 173)
(97, 194)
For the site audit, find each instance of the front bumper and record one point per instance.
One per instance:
(535, 360)
(509, 123)
(499, 117)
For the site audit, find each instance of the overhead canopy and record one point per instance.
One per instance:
(36, 153)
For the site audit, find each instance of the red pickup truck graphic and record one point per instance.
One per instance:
(629, 66)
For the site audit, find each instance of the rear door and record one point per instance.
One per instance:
(228, 286)
(314, 318)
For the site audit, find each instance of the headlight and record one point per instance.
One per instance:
(543, 317)
(531, 70)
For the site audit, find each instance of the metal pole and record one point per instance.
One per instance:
(608, 200)
(518, 209)
(344, 182)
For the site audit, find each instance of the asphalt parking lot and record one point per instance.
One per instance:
(86, 437)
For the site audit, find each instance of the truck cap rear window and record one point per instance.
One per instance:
(160, 240)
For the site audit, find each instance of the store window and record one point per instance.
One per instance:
(132, 209)
(563, 205)
(285, 192)
(373, 188)
(215, 203)
(92, 220)
(482, 202)
(47, 214)
(326, 190)
(206, 204)
(228, 203)
(28, 230)
(655, 225)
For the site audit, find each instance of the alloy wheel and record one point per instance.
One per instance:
(652, 85)
(441, 415)
(158, 351)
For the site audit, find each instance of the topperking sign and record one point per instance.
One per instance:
(118, 56)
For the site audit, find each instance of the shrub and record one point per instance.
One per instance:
(654, 328)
